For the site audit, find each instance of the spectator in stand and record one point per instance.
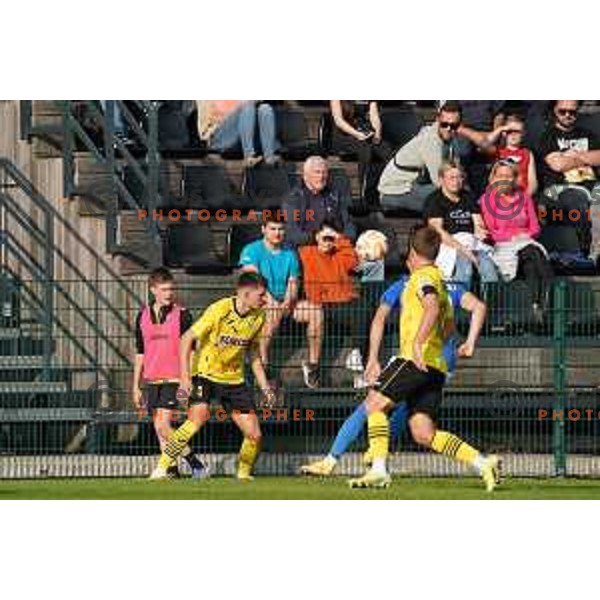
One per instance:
(482, 115)
(506, 142)
(279, 266)
(316, 203)
(223, 124)
(569, 156)
(403, 183)
(328, 266)
(358, 129)
(510, 217)
(455, 215)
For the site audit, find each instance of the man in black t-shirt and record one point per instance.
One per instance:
(455, 215)
(569, 157)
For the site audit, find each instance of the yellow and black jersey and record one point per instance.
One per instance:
(427, 279)
(224, 336)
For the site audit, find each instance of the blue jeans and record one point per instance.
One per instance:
(413, 200)
(463, 271)
(240, 126)
(118, 123)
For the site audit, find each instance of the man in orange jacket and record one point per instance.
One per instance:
(328, 270)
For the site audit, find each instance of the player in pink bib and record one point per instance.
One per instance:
(158, 331)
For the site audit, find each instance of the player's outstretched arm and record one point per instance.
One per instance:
(373, 369)
(478, 309)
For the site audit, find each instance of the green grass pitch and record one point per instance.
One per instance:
(297, 488)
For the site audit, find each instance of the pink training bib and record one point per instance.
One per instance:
(161, 345)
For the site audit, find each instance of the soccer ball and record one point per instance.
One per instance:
(371, 245)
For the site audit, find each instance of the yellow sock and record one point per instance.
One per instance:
(247, 457)
(177, 443)
(451, 445)
(379, 435)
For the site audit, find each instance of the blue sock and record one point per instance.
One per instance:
(398, 420)
(349, 431)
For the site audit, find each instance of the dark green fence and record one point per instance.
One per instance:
(529, 392)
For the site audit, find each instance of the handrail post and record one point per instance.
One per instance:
(559, 346)
(25, 116)
(112, 210)
(48, 293)
(153, 163)
(68, 150)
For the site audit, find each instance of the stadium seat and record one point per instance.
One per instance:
(509, 307)
(266, 186)
(591, 122)
(237, 237)
(399, 126)
(208, 186)
(292, 133)
(190, 245)
(326, 126)
(135, 187)
(173, 133)
(581, 313)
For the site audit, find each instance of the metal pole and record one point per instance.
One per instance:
(153, 163)
(559, 345)
(68, 150)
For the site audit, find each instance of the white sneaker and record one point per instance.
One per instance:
(159, 473)
(354, 361)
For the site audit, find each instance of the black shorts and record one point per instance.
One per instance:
(238, 397)
(401, 381)
(161, 395)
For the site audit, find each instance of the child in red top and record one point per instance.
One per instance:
(506, 143)
(511, 148)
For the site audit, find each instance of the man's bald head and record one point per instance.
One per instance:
(315, 173)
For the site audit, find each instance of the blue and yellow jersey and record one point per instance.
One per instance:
(427, 279)
(224, 336)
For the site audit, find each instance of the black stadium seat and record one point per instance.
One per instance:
(591, 122)
(266, 186)
(190, 245)
(292, 133)
(399, 126)
(208, 186)
(238, 236)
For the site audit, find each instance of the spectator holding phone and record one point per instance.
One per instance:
(357, 129)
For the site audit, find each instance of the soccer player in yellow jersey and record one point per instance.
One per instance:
(227, 330)
(417, 375)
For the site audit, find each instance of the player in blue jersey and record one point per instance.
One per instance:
(390, 303)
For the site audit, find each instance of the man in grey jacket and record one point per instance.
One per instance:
(412, 173)
(314, 202)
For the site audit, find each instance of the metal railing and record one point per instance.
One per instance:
(31, 257)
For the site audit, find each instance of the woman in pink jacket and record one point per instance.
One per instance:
(510, 217)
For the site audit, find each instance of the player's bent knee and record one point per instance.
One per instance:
(375, 402)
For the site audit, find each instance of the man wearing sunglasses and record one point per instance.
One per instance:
(569, 157)
(412, 173)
